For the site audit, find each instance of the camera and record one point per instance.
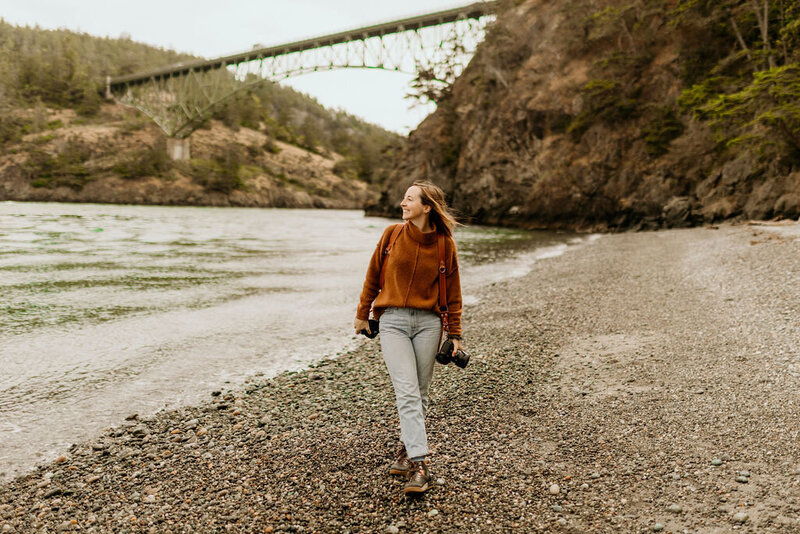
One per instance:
(373, 327)
(445, 355)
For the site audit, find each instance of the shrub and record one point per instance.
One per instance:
(66, 168)
(605, 101)
(148, 161)
(665, 127)
(221, 173)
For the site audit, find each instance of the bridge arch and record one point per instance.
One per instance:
(180, 97)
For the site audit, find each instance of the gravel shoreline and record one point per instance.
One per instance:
(646, 382)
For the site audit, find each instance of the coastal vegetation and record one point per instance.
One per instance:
(51, 109)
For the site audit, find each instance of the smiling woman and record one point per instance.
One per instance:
(403, 288)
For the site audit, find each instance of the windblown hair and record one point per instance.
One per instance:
(441, 217)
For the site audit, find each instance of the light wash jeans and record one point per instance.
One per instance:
(409, 340)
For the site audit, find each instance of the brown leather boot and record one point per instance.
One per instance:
(419, 480)
(402, 464)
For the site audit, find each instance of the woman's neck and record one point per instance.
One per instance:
(423, 223)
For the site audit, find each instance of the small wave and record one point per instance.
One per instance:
(9, 428)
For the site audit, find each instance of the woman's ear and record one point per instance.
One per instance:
(426, 209)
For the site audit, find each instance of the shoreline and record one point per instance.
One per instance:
(621, 372)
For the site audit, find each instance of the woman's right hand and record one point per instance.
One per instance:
(361, 324)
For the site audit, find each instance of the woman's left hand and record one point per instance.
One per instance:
(457, 346)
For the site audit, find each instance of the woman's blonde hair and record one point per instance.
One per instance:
(440, 216)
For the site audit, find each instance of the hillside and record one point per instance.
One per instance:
(270, 146)
(619, 114)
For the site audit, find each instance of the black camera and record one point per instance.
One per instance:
(445, 355)
(373, 327)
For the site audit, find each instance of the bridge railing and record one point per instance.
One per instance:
(475, 10)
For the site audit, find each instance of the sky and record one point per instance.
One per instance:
(216, 28)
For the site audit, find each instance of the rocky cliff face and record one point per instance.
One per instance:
(567, 117)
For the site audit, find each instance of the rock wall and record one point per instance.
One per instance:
(562, 122)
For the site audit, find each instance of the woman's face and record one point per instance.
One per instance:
(412, 204)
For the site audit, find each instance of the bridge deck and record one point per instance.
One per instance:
(421, 21)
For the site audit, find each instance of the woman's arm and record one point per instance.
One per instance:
(372, 279)
(453, 281)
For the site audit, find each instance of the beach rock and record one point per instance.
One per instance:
(675, 508)
(554, 489)
(740, 517)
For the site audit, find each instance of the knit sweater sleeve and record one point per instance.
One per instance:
(453, 281)
(372, 280)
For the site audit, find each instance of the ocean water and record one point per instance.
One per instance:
(110, 310)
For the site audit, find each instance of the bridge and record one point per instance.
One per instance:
(436, 46)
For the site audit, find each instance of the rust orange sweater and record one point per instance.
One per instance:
(412, 276)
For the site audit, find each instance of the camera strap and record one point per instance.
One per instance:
(443, 287)
(395, 233)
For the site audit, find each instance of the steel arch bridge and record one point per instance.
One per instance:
(180, 97)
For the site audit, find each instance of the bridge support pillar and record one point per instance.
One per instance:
(178, 149)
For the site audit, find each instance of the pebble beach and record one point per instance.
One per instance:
(647, 382)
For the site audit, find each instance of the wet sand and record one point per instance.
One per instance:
(646, 382)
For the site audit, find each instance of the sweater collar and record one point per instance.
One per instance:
(423, 238)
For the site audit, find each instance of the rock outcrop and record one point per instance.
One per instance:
(567, 117)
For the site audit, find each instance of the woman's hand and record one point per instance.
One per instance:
(361, 324)
(457, 346)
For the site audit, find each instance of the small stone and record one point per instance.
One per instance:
(7, 528)
(675, 476)
(132, 417)
(192, 423)
(440, 482)
(658, 527)
(93, 478)
(433, 513)
(716, 462)
(744, 474)
(149, 499)
(595, 475)
(554, 489)
(675, 508)
(740, 517)
(561, 521)
(391, 529)
(584, 486)
(557, 508)
(61, 459)
(742, 480)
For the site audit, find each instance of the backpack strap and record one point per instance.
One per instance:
(395, 233)
(443, 286)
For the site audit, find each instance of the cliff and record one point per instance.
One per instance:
(617, 114)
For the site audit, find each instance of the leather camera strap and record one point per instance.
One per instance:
(443, 286)
(395, 233)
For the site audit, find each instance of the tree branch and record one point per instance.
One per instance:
(739, 37)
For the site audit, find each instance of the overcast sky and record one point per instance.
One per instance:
(216, 28)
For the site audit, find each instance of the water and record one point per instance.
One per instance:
(112, 310)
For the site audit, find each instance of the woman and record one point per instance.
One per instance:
(406, 259)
